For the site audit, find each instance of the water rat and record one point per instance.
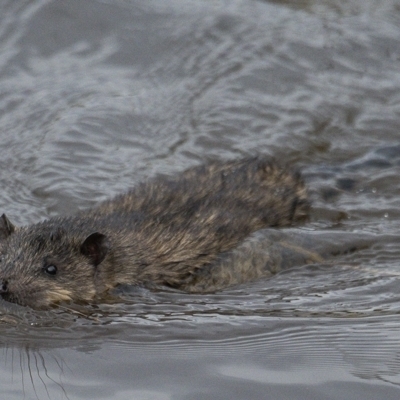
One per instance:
(163, 231)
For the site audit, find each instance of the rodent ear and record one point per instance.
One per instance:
(6, 227)
(95, 247)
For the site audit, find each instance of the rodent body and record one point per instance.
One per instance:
(165, 231)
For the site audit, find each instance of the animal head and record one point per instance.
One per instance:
(43, 264)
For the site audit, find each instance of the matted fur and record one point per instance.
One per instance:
(162, 231)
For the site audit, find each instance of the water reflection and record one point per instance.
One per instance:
(286, 352)
(33, 371)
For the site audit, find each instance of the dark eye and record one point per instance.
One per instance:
(50, 269)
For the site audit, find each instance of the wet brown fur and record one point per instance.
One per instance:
(163, 231)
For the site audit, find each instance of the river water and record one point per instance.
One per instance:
(98, 95)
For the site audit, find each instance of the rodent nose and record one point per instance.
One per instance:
(3, 287)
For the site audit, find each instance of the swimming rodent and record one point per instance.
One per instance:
(164, 231)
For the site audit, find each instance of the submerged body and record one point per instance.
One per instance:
(166, 231)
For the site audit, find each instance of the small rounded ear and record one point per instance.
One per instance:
(95, 247)
(6, 227)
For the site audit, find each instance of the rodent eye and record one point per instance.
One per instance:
(50, 269)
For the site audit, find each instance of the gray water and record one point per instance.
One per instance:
(98, 95)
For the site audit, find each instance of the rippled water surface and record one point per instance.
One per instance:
(98, 95)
